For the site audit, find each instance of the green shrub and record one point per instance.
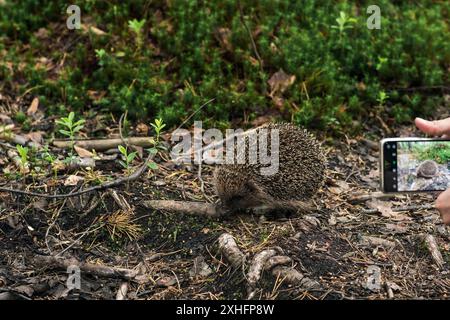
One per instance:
(171, 64)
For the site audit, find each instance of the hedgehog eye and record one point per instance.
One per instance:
(237, 198)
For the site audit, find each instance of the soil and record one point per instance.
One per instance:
(330, 251)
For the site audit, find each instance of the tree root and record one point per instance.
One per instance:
(270, 260)
(230, 250)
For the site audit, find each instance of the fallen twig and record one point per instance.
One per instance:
(105, 144)
(98, 270)
(360, 198)
(189, 207)
(432, 246)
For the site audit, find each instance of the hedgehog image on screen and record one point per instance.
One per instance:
(428, 169)
(300, 174)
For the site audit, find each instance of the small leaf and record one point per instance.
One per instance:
(79, 122)
(152, 165)
(65, 132)
(123, 164)
(122, 150)
(153, 150)
(131, 156)
(77, 128)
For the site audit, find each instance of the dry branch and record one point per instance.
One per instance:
(105, 144)
(189, 207)
(98, 270)
(433, 247)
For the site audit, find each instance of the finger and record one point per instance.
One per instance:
(443, 205)
(435, 128)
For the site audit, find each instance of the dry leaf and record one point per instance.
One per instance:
(83, 153)
(341, 186)
(142, 129)
(279, 82)
(72, 180)
(35, 136)
(42, 33)
(223, 35)
(33, 107)
(93, 29)
(385, 208)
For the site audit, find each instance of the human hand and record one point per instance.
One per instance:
(438, 128)
(443, 205)
(434, 128)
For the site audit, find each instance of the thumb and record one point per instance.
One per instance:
(435, 128)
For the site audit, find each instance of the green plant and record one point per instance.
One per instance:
(381, 62)
(71, 127)
(23, 158)
(185, 63)
(136, 26)
(382, 97)
(158, 125)
(101, 56)
(51, 159)
(437, 152)
(127, 157)
(20, 117)
(344, 22)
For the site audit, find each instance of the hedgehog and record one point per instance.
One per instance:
(300, 175)
(427, 169)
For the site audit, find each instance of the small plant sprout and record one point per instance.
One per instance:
(23, 158)
(101, 56)
(136, 26)
(381, 62)
(51, 159)
(158, 126)
(128, 157)
(344, 22)
(382, 97)
(71, 127)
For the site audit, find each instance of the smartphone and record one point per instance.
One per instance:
(414, 164)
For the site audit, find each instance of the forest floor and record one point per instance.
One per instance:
(357, 244)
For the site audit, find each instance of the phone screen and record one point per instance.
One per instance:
(410, 166)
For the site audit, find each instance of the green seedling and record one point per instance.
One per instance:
(382, 97)
(344, 22)
(136, 26)
(128, 158)
(23, 158)
(70, 129)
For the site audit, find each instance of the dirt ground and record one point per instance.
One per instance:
(356, 244)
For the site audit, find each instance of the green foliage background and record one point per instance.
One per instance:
(181, 63)
(437, 152)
